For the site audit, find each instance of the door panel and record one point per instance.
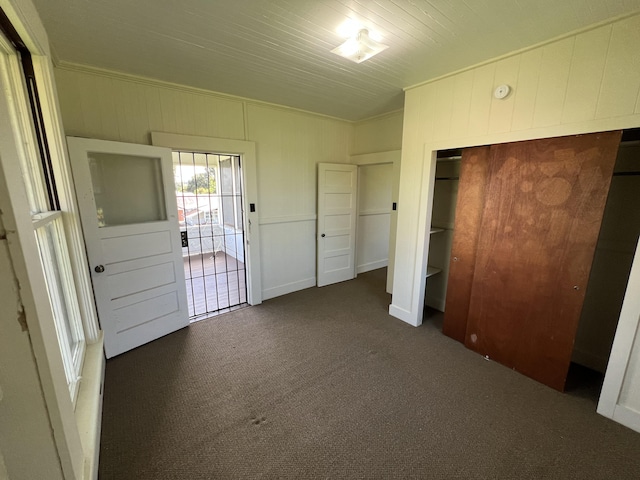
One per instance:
(129, 247)
(337, 190)
(541, 218)
(474, 169)
(135, 280)
(145, 311)
(130, 223)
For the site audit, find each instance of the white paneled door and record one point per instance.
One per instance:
(129, 217)
(337, 193)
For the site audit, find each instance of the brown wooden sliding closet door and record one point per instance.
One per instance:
(543, 208)
(474, 167)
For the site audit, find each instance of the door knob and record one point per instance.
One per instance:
(99, 269)
(322, 235)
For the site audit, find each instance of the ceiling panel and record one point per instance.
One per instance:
(279, 51)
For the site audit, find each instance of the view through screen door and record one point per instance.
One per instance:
(210, 214)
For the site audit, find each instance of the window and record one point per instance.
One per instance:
(46, 216)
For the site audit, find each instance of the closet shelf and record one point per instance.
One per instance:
(432, 271)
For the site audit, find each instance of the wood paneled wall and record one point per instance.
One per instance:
(583, 83)
(379, 134)
(125, 109)
(374, 136)
(586, 82)
(289, 144)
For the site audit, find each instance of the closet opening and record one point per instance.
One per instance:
(445, 198)
(604, 291)
(611, 266)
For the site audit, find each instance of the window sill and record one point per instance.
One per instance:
(89, 406)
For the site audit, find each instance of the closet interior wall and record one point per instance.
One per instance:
(445, 197)
(612, 261)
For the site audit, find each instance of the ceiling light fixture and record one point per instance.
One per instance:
(360, 47)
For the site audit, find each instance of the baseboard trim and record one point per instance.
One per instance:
(367, 267)
(288, 288)
(404, 315)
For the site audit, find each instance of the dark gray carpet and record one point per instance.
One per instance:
(323, 383)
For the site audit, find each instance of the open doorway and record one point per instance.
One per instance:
(612, 261)
(378, 189)
(354, 219)
(210, 214)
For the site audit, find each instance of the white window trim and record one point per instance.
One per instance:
(27, 267)
(29, 160)
(66, 193)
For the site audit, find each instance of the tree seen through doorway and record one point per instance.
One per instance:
(201, 183)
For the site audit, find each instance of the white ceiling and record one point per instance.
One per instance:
(279, 50)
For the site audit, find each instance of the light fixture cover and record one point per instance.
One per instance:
(359, 48)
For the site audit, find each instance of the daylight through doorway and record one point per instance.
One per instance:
(210, 214)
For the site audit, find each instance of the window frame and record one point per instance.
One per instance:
(47, 218)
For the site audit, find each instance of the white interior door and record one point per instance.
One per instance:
(337, 193)
(130, 221)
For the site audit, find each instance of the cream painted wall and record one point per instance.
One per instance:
(583, 83)
(380, 139)
(24, 421)
(586, 82)
(289, 144)
(379, 134)
(125, 109)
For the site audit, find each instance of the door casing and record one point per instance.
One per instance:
(247, 152)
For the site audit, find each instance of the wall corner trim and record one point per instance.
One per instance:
(404, 315)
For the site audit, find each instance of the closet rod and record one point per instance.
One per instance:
(447, 178)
